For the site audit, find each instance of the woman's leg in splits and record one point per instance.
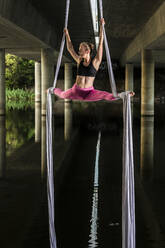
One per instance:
(67, 94)
(75, 92)
(97, 95)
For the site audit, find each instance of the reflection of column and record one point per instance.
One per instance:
(129, 77)
(147, 86)
(37, 121)
(2, 147)
(68, 103)
(152, 230)
(68, 119)
(37, 82)
(2, 82)
(43, 146)
(47, 73)
(147, 147)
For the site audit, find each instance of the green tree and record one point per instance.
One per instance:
(19, 72)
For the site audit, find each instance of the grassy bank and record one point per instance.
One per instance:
(19, 94)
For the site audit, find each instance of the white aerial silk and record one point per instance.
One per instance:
(108, 56)
(128, 189)
(128, 194)
(50, 175)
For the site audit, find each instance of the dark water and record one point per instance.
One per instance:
(87, 183)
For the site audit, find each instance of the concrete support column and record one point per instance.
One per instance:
(68, 82)
(37, 81)
(129, 77)
(147, 83)
(47, 75)
(147, 147)
(68, 78)
(2, 83)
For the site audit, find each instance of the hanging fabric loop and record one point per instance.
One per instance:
(128, 191)
(128, 188)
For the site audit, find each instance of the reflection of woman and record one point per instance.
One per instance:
(87, 68)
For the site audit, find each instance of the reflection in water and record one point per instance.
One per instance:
(37, 122)
(2, 146)
(19, 129)
(149, 224)
(147, 147)
(43, 146)
(68, 119)
(93, 231)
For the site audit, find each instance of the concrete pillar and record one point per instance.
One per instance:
(47, 75)
(129, 77)
(2, 147)
(2, 83)
(147, 147)
(68, 78)
(68, 82)
(37, 122)
(129, 81)
(147, 83)
(37, 81)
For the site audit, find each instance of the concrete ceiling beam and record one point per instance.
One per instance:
(26, 23)
(148, 38)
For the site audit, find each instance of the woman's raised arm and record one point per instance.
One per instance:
(70, 46)
(99, 55)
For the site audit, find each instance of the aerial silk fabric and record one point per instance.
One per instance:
(108, 56)
(50, 174)
(128, 191)
(128, 194)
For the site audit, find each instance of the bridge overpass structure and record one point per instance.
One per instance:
(33, 29)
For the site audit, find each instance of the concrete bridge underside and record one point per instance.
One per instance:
(28, 26)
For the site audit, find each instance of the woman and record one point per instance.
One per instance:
(87, 68)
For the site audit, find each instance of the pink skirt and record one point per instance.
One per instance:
(84, 94)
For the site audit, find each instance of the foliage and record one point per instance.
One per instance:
(19, 94)
(19, 72)
(19, 98)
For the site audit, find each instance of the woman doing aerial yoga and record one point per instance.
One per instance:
(83, 90)
(87, 68)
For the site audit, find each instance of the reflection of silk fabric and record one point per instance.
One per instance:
(128, 198)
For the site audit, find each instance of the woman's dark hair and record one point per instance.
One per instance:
(88, 45)
(91, 46)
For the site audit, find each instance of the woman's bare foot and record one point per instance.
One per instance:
(132, 93)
